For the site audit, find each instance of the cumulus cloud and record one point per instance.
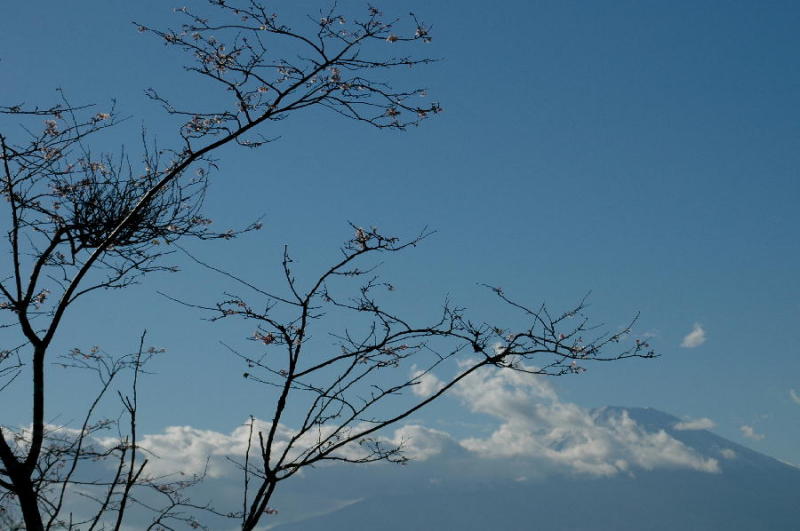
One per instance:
(420, 443)
(194, 451)
(750, 432)
(536, 424)
(426, 383)
(534, 427)
(696, 424)
(795, 396)
(188, 450)
(695, 338)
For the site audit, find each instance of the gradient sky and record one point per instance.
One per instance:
(647, 152)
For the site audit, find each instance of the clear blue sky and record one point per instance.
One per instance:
(646, 151)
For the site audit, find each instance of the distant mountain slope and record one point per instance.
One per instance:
(753, 492)
(708, 444)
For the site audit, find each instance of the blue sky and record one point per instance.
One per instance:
(647, 152)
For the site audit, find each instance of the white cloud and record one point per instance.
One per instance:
(426, 383)
(727, 453)
(420, 443)
(695, 338)
(191, 451)
(750, 432)
(537, 425)
(188, 450)
(794, 395)
(696, 424)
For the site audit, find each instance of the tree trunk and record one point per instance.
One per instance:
(258, 508)
(28, 505)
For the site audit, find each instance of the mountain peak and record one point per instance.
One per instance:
(751, 492)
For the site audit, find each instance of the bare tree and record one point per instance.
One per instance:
(81, 464)
(80, 221)
(357, 383)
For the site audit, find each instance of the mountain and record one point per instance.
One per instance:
(752, 492)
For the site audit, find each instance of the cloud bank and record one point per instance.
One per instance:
(533, 427)
(536, 424)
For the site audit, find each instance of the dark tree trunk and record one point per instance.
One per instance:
(28, 505)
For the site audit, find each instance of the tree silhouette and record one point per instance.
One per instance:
(80, 222)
